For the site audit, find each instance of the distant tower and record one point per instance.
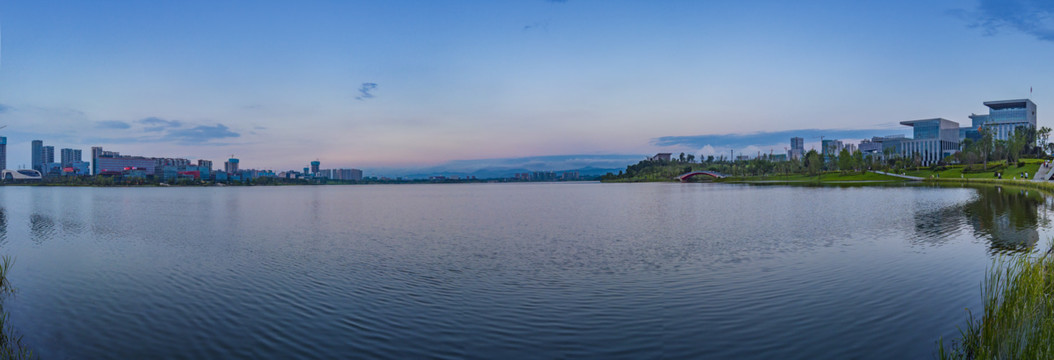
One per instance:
(205, 164)
(49, 154)
(314, 166)
(96, 152)
(38, 155)
(69, 156)
(231, 166)
(3, 152)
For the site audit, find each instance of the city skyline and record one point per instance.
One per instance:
(489, 81)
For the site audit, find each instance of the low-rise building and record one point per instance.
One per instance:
(933, 140)
(661, 157)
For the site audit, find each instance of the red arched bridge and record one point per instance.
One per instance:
(684, 177)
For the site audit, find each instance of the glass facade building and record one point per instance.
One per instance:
(119, 164)
(231, 166)
(830, 148)
(37, 155)
(69, 156)
(797, 149)
(934, 139)
(1003, 117)
(3, 153)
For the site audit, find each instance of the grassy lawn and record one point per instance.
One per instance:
(955, 171)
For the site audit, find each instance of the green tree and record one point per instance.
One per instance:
(985, 145)
(1044, 138)
(1017, 144)
(813, 163)
(845, 160)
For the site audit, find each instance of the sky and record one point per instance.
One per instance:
(382, 85)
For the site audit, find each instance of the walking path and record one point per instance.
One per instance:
(914, 178)
(1044, 173)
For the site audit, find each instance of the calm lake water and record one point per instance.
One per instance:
(569, 270)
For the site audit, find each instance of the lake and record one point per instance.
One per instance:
(559, 270)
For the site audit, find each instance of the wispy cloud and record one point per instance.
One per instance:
(366, 91)
(1032, 17)
(537, 25)
(156, 124)
(201, 134)
(156, 121)
(769, 138)
(112, 125)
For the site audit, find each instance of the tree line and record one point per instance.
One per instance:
(1023, 142)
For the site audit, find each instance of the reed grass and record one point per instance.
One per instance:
(1017, 321)
(11, 346)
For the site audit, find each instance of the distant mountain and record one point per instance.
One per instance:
(586, 165)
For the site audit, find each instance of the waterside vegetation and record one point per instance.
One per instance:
(11, 346)
(1020, 156)
(1017, 321)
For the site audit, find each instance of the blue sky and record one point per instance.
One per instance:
(398, 84)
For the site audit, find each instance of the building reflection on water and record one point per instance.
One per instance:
(41, 227)
(3, 226)
(1008, 217)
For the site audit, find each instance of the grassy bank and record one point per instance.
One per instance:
(1047, 186)
(975, 171)
(1017, 321)
(832, 176)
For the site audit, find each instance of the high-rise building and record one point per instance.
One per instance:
(3, 152)
(797, 150)
(49, 154)
(37, 161)
(69, 156)
(231, 166)
(205, 164)
(830, 148)
(96, 152)
(314, 166)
